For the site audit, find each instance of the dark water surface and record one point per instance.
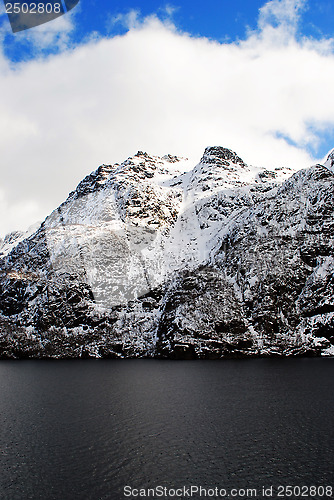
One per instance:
(85, 429)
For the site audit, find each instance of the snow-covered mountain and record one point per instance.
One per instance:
(12, 239)
(155, 257)
(329, 160)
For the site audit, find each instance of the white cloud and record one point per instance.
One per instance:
(281, 12)
(54, 34)
(170, 10)
(130, 20)
(13, 213)
(162, 91)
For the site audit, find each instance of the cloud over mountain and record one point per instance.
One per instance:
(159, 89)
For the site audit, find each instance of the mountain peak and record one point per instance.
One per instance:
(219, 168)
(221, 156)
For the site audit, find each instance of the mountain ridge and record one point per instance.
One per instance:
(154, 258)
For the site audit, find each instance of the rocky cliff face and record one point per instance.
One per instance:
(155, 258)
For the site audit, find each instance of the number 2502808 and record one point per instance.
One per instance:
(33, 8)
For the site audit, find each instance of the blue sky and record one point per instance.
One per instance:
(222, 20)
(110, 78)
